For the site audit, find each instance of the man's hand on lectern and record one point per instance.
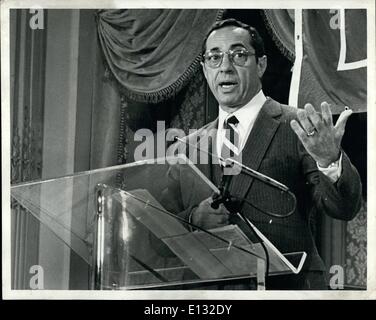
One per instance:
(206, 217)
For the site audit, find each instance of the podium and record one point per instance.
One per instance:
(129, 225)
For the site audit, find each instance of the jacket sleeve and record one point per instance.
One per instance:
(340, 200)
(172, 195)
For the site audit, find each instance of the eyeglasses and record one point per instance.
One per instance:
(238, 57)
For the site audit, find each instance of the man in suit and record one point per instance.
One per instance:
(298, 147)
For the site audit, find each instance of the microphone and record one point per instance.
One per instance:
(224, 195)
(229, 161)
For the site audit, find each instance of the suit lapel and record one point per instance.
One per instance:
(257, 144)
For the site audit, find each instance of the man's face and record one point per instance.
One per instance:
(233, 86)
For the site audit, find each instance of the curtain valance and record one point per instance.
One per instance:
(153, 52)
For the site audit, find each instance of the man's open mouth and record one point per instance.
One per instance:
(227, 84)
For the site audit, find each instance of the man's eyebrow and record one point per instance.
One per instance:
(213, 49)
(238, 45)
(235, 45)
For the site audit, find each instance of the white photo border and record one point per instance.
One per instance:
(8, 293)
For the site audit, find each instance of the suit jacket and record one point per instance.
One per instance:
(274, 149)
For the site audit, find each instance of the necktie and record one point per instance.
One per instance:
(231, 145)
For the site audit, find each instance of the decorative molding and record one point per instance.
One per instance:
(26, 144)
(16, 156)
(26, 154)
(123, 140)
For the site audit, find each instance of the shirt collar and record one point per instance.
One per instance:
(246, 114)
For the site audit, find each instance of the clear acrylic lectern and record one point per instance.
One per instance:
(127, 224)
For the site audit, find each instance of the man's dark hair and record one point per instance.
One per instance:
(256, 41)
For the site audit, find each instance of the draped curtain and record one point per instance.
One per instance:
(280, 24)
(153, 53)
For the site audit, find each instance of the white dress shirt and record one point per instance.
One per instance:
(247, 116)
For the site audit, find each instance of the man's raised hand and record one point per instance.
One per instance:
(317, 133)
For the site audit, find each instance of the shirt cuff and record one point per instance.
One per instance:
(333, 172)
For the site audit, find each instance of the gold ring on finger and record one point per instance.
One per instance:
(312, 133)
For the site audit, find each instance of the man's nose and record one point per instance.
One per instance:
(226, 64)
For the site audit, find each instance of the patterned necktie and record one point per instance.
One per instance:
(231, 145)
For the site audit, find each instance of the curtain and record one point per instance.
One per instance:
(153, 53)
(334, 55)
(280, 24)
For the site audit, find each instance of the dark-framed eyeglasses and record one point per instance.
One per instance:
(238, 57)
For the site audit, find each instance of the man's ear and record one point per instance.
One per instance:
(261, 65)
